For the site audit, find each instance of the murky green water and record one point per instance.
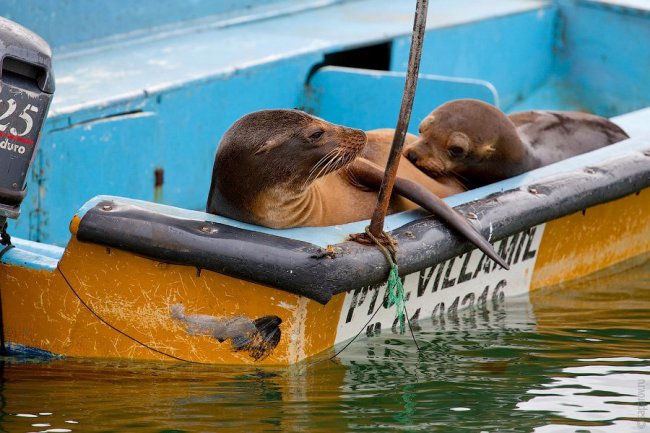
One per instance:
(578, 362)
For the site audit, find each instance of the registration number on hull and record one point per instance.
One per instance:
(468, 280)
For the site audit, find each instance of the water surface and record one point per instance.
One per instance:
(577, 362)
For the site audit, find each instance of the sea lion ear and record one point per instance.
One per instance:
(270, 144)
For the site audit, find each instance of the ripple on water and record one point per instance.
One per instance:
(578, 361)
(595, 393)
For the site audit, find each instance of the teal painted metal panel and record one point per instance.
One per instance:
(634, 7)
(555, 94)
(33, 255)
(20, 257)
(115, 154)
(513, 52)
(121, 72)
(73, 22)
(606, 56)
(46, 250)
(371, 99)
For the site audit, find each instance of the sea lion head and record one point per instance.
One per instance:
(460, 137)
(281, 151)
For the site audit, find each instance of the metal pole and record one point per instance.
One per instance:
(419, 25)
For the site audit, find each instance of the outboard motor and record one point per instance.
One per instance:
(26, 90)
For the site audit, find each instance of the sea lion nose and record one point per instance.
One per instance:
(355, 137)
(363, 138)
(359, 133)
(411, 154)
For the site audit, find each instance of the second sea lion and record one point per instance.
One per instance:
(480, 144)
(286, 168)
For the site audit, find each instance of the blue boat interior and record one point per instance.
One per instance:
(143, 97)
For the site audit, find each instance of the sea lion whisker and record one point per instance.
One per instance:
(336, 158)
(349, 158)
(336, 163)
(313, 175)
(331, 154)
(329, 166)
(323, 160)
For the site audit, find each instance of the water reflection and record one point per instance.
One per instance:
(141, 397)
(604, 385)
(578, 362)
(596, 392)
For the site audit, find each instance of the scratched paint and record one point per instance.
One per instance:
(298, 335)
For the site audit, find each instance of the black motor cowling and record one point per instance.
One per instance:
(26, 90)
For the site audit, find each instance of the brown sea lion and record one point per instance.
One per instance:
(286, 168)
(478, 143)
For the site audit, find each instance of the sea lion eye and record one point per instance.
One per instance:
(456, 151)
(316, 135)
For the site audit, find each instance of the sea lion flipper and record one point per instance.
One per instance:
(370, 174)
(434, 204)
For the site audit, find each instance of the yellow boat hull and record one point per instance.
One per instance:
(104, 302)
